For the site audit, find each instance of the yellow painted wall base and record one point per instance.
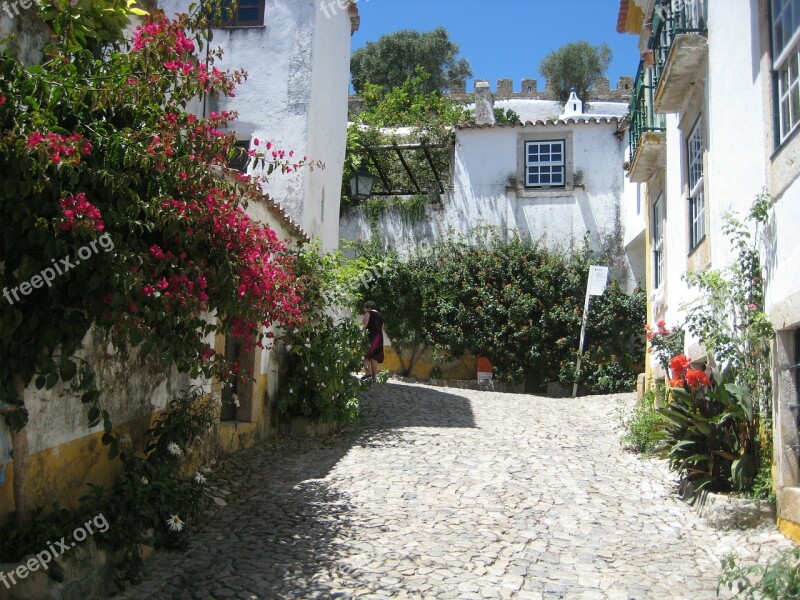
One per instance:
(463, 368)
(61, 474)
(790, 529)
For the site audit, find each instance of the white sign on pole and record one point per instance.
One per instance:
(598, 276)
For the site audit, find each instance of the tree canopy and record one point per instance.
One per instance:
(395, 57)
(578, 65)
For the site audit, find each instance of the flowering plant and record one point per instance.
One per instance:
(326, 349)
(663, 343)
(709, 429)
(98, 140)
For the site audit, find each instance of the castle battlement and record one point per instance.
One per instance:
(529, 89)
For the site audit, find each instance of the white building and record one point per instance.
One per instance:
(297, 57)
(714, 123)
(556, 177)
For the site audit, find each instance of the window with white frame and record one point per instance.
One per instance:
(658, 242)
(786, 63)
(544, 164)
(697, 201)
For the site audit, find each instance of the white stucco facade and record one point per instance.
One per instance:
(730, 95)
(488, 190)
(295, 96)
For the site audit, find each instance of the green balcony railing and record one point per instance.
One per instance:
(643, 118)
(673, 17)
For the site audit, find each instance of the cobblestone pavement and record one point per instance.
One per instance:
(453, 494)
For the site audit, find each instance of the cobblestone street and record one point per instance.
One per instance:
(447, 493)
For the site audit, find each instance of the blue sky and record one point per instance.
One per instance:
(506, 38)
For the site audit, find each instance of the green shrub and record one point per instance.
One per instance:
(643, 424)
(327, 347)
(779, 579)
(516, 302)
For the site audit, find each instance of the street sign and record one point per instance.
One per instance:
(597, 280)
(595, 286)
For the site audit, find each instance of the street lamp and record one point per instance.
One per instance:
(361, 183)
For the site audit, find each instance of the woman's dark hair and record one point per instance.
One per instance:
(370, 305)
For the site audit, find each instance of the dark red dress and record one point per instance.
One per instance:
(375, 335)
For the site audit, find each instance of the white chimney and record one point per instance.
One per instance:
(484, 104)
(573, 107)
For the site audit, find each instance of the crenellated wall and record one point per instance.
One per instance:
(529, 89)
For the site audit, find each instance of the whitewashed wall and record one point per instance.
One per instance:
(484, 160)
(327, 137)
(738, 149)
(296, 96)
(634, 211)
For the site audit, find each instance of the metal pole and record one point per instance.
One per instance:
(580, 345)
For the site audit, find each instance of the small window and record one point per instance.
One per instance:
(241, 157)
(697, 202)
(658, 242)
(248, 13)
(544, 164)
(786, 63)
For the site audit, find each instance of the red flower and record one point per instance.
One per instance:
(696, 378)
(679, 365)
(676, 383)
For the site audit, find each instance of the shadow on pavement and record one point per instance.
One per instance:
(284, 531)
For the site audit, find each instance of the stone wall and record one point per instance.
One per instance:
(504, 90)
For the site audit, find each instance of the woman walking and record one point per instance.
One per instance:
(373, 321)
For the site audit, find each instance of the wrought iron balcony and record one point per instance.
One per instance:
(680, 47)
(647, 129)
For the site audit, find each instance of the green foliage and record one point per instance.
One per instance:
(514, 302)
(506, 116)
(150, 491)
(89, 24)
(394, 58)
(729, 315)
(153, 489)
(328, 347)
(436, 372)
(413, 207)
(578, 65)
(21, 538)
(429, 117)
(710, 435)
(400, 288)
(729, 318)
(664, 343)
(612, 350)
(779, 579)
(642, 426)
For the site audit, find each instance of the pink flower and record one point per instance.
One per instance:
(148, 290)
(751, 307)
(78, 210)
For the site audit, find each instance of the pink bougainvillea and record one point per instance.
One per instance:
(78, 211)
